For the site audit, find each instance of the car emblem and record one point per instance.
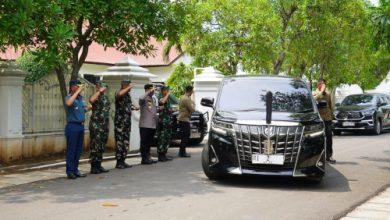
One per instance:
(269, 131)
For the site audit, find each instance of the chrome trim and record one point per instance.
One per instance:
(215, 154)
(323, 170)
(299, 151)
(235, 170)
(238, 154)
(263, 122)
(351, 128)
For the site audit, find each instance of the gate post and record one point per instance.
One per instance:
(11, 100)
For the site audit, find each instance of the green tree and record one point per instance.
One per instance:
(322, 38)
(35, 69)
(61, 31)
(180, 78)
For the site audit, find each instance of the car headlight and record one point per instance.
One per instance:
(335, 113)
(221, 127)
(314, 129)
(368, 112)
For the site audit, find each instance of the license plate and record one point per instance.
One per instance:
(347, 124)
(267, 159)
(194, 133)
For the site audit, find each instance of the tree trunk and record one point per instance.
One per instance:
(278, 64)
(61, 81)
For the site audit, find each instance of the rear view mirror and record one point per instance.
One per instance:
(208, 102)
(338, 105)
(322, 104)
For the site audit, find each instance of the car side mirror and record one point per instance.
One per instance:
(208, 102)
(380, 104)
(322, 104)
(338, 105)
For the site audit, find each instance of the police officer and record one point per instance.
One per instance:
(99, 127)
(74, 130)
(165, 130)
(147, 123)
(123, 107)
(327, 116)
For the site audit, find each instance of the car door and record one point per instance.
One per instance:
(385, 108)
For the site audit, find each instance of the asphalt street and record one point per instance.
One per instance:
(179, 190)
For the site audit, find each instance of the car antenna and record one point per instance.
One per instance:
(268, 109)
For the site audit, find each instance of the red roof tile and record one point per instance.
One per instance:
(97, 55)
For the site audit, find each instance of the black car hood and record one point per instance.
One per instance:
(347, 108)
(261, 115)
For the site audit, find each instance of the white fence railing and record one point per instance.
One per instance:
(43, 109)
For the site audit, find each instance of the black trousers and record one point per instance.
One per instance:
(329, 141)
(147, 135)
(185, 135)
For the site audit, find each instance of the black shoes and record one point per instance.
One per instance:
(71, 176)
(183, 153)
(80, 174)
(148, 161)
(121, 164)
(95, 169)
(164, 158)
(331, 160)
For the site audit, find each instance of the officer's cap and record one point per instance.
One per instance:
(74, 82)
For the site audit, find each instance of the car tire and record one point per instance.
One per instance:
(377, 127)
(336, 132)
(211, 174)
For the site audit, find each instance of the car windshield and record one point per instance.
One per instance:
(249, 94)
(358, 100)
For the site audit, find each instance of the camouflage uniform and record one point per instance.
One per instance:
(165, 129)
(122, 123)
(99, 128)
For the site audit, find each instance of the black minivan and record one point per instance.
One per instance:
(264, 125)
(362, 112)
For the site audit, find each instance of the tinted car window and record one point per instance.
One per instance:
(250, 95)
(359, 100)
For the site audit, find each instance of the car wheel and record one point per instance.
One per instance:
(211, 174)
(377, 127)
(336, 132)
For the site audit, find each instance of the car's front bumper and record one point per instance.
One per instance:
(351, 125)
(230, 153)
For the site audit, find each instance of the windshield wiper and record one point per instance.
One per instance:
(307, 110)
(249, 110)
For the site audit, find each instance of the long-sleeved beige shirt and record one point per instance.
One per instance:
(186, 107)
(326, 113)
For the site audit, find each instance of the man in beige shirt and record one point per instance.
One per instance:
(327, 116)
(186, 107)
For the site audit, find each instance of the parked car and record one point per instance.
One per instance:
(362, 112)
(198, 123)
(264, 125)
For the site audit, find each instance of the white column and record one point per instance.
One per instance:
(11, 99)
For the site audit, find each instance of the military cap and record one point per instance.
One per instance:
(126, 81)
(101, 83)
(165, 88)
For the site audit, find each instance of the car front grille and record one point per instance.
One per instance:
(349, 115)
(286, 140)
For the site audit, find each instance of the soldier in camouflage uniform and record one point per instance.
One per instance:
(166, 100)
(123, 107)
(99, 127)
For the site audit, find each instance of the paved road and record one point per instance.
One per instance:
(179, 190)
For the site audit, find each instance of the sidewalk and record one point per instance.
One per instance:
(48, 171)
(377, 207)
